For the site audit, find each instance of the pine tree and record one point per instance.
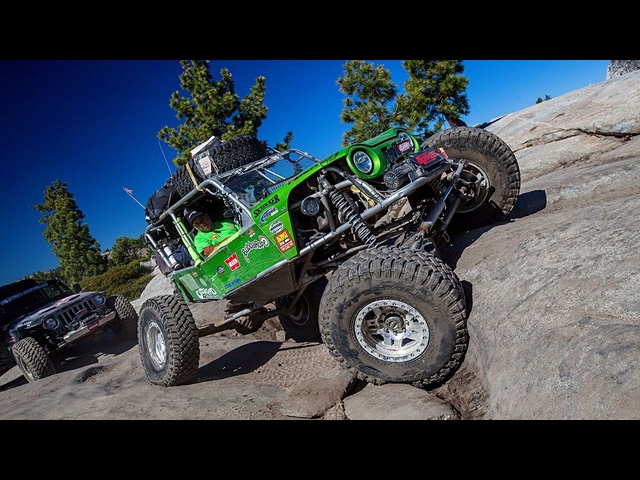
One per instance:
(369, 91)
(77, 251)
(435, 93)
(126, 249)
(214, 108)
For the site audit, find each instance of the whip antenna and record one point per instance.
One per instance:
(165, 158)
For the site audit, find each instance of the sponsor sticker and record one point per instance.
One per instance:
(426, 157)
(268, 213)
(231, 284)
(232, 262)
(271, 202)
(203, 293)
(405, 146)
(259, 244)
(284, 241)
(276, 227)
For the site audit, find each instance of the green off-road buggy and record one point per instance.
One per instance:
(345, 250)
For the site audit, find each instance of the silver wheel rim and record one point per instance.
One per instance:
(26, 371)
(156, 346)
(392, 331)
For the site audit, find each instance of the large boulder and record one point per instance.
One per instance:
(555, 317)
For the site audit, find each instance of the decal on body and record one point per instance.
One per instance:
(203, 293)
(284, 241)
(262, 242)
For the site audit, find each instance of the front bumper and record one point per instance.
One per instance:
(90, 326)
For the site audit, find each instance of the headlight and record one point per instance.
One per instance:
(405, 142)
(362, 161)
(50, 323)
(310, 206)
(98, 299)
(402, 136)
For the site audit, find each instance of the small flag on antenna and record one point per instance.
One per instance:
(130, 192)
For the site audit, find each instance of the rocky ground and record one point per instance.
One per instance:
(553, 298)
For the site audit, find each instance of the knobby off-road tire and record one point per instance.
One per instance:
(233, 154)
(125, 325)
(392, 315)
(32, 359)
(228, 155)
(183, 182)
(168, 341)
(491, 166)
(302, 324)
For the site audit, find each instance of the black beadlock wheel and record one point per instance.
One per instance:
(392, 315)
(125, 325)
(32, 359)
(168, 341)
(491, 175)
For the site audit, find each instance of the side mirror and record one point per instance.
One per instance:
(77, 288)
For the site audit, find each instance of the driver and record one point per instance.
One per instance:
(210, 233)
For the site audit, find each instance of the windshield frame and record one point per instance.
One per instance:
(272, 172)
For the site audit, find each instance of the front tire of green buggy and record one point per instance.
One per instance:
(393, 315)
(491, 175)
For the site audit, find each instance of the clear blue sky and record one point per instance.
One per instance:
(94, 124)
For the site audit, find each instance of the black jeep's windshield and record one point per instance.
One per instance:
(30, 299)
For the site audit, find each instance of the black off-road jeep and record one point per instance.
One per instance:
(345, 250)
(37, 320)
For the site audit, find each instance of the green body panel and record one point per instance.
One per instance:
(270, 241)
(384, 137)
(242, 259)
(272, 217)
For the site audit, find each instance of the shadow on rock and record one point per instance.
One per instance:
(86, 352)
(16, 382)
(239, 361)
(529, 203)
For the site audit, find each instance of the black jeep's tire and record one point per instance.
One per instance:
(125, 325)
(392, 315)
(234, 153)
(302, 325)
(168, 341)
(32, 359)
(488, 158)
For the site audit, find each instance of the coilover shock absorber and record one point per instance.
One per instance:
(437, 186)
(352, 218)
